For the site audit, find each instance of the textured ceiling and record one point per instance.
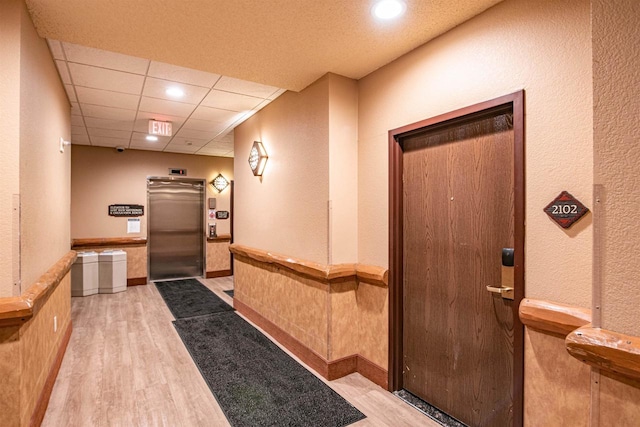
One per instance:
(282, 43)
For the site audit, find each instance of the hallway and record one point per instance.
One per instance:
(126, 366)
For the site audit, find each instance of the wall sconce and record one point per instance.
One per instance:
(257, 158)
(219, 183)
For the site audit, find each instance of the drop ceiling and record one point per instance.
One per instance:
(217, 48)
(113, 97)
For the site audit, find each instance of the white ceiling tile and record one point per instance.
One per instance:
(109, 133)
(75, 109)
(221, 145)
(171, 148)
(101, 78)
(56, 49)
(105, 59)
(212, 152)
(155, 88)
(107, 98)
(229, 154)
(79, 130)
(245, 87)
(182, 75)
(195, 142)
(93, 122)
(77, 121)
(102, 141)
(64, 73)
(142, 121)
(70, 93)
(230, 101)
(141, 138)
(111, 113)
(276, 94)
(146, 145)
(204, 125)
(80, 139)
(161, 106)
(214, 114)
(198, 134)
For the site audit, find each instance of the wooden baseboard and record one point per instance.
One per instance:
(342, 367)
(219, 273)
(308, 356)
(373, 372)
(330, 370)
(45, 394)
(137, 281)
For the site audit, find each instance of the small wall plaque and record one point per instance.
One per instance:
(565, 209)
(222, 214)
(126, 210)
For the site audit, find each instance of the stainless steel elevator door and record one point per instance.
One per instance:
(176, 228)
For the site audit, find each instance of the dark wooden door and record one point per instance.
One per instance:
(458, 214)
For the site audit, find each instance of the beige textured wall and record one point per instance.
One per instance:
(10, 11)
(285, 211)
(543, 47)
(44, 171)
(343, 169)
(102, 176)
(616, 87)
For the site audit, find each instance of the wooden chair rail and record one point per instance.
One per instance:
(18, 310)
(107, 241)
(220, 238)
(553, 317)
(370, 274)
(607, 350)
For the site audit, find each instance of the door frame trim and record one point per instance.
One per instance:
(396, 237)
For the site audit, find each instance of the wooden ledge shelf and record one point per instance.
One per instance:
(327, 273)
(553, 317)
(220, 238)
(18, 310)
(107, 241)
(607, 350)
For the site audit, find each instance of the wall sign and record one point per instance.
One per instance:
(565, 209)
(126, 210)
(222, 214)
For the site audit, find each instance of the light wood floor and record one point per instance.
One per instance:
(126, 366)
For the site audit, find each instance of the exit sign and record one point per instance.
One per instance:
(159, 128)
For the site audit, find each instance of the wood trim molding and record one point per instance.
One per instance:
(326, 273)
(218, 273)
(330, 370)
(553, 317)
(137, 281)
(18, 310)
(108, 241)
(43, 401)
(607, 350)
(220, 238)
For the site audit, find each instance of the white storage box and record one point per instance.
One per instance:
(113, 271)
(84, 275)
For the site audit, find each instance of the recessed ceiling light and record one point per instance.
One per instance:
(388, 9)
(151, 138)
(174, 92)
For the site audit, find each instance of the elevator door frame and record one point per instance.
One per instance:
(203, 234)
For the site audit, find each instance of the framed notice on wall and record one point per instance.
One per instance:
(126, 210)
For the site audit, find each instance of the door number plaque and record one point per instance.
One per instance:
(565, 209)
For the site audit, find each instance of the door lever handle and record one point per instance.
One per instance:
(504, 291)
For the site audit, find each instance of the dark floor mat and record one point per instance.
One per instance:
(229, 292)
(254, 381)
(189, 297)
